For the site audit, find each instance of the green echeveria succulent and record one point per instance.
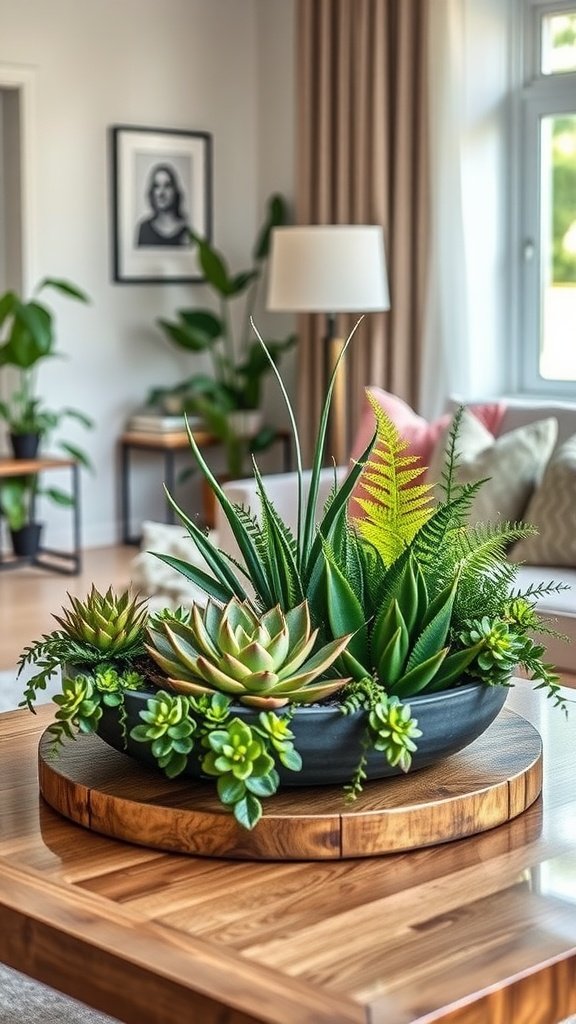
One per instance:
(111, 623)
(265, 661)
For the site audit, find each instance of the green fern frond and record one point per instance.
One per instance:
(535, 590)
(486, 577)
(447, 481)
(445, 519)
(396, 508)
(482, 547)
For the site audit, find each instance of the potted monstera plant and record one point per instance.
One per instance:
(348, 650)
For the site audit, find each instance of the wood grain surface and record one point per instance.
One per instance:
(476, 931)
(492, 781)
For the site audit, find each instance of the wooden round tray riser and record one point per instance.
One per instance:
(492, 781)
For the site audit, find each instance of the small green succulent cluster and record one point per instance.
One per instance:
(83, 696)
(241, 757)
(264, 661)
(103, 629)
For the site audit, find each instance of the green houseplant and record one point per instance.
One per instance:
(356, 638)
(229, 400)
(18, 496)
(28, 338)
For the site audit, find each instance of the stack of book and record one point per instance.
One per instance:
(150, 422)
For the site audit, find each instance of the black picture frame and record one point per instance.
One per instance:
(174, 161)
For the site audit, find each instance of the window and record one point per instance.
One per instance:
(548, 186)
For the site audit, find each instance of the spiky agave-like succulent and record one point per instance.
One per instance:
(263, 661)
(102, 628)
(111, 623)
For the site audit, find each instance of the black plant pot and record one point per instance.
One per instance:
(26, 540)
(25, 446)
(330, 743)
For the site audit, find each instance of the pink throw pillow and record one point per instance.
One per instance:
(418, 432)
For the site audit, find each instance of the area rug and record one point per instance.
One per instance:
(23, 1001)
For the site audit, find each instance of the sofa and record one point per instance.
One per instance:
(549, 494)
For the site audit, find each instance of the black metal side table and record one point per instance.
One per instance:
(168, 446)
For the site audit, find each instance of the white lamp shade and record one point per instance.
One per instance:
(335, 268)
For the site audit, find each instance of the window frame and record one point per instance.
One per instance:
(540, 95)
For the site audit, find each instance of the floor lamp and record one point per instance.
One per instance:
(329, 269)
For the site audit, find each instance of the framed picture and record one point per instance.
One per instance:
(161, 188)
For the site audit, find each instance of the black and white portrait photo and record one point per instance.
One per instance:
(167, 222)
(161, 192)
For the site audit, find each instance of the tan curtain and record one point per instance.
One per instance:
(362, 160)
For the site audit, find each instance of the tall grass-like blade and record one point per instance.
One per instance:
(295, 436)
(280, 552)
(332, 513)
(243, 539)
(219, 591)
(309, 520)
(214, 558)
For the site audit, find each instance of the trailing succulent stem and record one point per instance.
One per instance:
(390, 729)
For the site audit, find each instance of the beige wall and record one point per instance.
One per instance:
(222, 66)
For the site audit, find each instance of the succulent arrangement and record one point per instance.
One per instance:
(365, 614)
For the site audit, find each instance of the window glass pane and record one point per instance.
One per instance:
(558, 43)
(558, 248)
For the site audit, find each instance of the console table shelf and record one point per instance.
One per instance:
(51, 559)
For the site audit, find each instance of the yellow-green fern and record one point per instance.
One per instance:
(396, 507)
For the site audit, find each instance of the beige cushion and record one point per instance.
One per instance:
(553, 511)
(514, 463)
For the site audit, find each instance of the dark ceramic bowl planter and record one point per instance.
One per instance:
(25, 446)
(330, 743)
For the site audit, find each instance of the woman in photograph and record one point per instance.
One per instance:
(167, 225)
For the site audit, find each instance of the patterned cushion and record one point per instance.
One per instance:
(513, 463)
(553, 511)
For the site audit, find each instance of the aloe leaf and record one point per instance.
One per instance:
(433, 636)
(453, 667)
(282, 563)
(384, 628)
(419, 678)
(215, 586)
(354, 666)
(393, 657)
(408, 595)
(296, 439)
(345, 613)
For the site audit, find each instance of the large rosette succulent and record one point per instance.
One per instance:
(264, 661)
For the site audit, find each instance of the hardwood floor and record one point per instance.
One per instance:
(28, 597)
